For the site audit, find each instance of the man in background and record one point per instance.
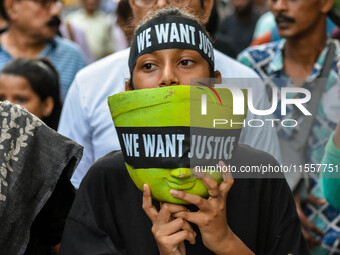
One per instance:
(31, 33)
(297, 61)
(235, 32)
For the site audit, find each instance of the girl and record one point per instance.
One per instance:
(34, 84)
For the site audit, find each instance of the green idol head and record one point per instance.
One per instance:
(164, 136)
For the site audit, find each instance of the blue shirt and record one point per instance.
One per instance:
(65, 56)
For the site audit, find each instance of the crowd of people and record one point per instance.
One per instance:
(64, 183)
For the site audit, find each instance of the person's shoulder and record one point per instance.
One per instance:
(114, 61)
(336, 42)
(110, 168)
(256, 167)
(230, 68)
(74, 14)
(246, 155)
(111, 160)
(67, 47)
(337, 47)
(103, 16)
(257, 54)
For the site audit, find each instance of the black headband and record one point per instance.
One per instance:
(170, 32)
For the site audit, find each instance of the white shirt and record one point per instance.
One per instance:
(86, 116)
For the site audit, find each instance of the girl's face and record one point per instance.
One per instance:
(18, 90)
(169, 67)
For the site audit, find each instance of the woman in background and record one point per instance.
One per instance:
(34, 84)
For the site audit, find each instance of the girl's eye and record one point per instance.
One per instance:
(186, 62)
(21, 100)
(148, 66)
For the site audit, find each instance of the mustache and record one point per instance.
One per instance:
(283, 18)
(54, 22)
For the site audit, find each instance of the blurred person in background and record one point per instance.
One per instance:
(96, 26)
(266, 30)
(330, 176)
(122, 31)
(235, 32)
(299, 60)
(32, 30)
(76, 35)
(34, 84)
(212, 24)
(3, 24)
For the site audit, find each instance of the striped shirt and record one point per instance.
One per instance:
(65, 56)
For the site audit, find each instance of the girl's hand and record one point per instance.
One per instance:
(212, 215)
(168, 231)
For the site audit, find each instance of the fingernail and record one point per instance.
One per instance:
(144, 186)
(221, 163)
(174, 192)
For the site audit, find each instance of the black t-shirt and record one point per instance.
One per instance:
(107, 215)
(47, 228)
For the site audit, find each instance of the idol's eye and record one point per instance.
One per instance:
(2, 98)
(148, 66)
(186, 62)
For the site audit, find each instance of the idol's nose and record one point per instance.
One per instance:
(180, 173)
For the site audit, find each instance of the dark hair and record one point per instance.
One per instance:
(125, 18)
(3, 12)
(213, 20)
(44, 80)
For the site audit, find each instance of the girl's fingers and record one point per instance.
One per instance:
(227, 183)
(148, 207)
(193, 199)
(174, 226)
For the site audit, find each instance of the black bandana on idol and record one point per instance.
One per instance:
(170, 32)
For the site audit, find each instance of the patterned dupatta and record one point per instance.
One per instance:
(32, 158)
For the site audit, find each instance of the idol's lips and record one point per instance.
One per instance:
(179, 185)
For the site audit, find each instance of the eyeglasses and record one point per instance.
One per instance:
(47, 4)
(151, 3)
